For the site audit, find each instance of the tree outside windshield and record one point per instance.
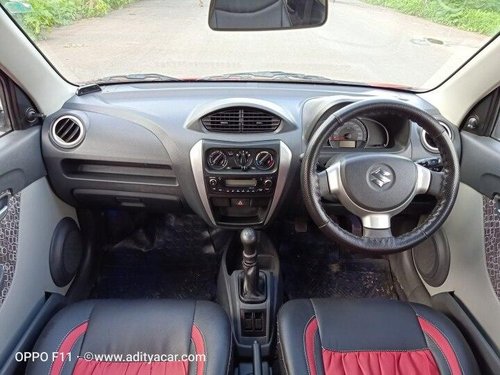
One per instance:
(412, 43)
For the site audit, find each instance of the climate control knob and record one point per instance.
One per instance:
(264, 161)
(243, 159)
(217, 159)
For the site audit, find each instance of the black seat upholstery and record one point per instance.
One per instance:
(136, 337)
(358, 337)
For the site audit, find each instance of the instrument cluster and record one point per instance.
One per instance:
(359, 133)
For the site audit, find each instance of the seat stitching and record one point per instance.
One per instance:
(205, 347)
(64, 339)
(192, 324)
(319, 334)
(446, 359)
(304, 341)
(447, 339)
(282, 352)
(374, 350)
(194, 347)
(230, 359)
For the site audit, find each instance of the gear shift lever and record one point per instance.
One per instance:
(250, 290)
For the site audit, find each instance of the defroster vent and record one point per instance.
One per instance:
(241, 120)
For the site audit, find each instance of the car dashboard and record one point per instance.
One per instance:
(228, 151)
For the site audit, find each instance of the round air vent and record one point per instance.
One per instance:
(428, 142)
(67, 131)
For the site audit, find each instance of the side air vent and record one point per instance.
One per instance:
(428, 142)
(241, 120)
(67, 131)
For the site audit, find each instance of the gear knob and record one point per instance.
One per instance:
(248, 239)
(250, 290)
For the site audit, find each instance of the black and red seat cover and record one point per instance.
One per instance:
(370, 337)
(154, 327)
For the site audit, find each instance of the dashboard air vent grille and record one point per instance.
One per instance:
(241, 120)
(428, 142)
(67, 131)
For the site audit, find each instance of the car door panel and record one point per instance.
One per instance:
(32, 213)
(473, 228)
(480, 167)
(20, 159)
(39, 213)
(468, 278)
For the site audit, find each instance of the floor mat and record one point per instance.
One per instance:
(168, 257)
(314, 267)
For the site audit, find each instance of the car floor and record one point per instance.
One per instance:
(169, 256)
(313, 267)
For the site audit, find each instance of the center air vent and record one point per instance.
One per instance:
(67, 131)
(241, 120)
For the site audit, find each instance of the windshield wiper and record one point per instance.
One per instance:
(147, 77)
(275, 75)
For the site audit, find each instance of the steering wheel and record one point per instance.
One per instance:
(377, 186)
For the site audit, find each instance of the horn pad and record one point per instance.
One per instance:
(378, 182)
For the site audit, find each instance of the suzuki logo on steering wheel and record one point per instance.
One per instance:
(381, 177)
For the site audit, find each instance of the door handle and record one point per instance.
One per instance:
(4, 203)
(496, 200)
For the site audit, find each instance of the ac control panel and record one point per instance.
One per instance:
(242, 159)
(240, 180)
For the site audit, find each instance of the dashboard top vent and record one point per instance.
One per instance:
(428, 142)
(67, 131)
(241, 120)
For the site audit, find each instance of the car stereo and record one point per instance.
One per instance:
(231, 185)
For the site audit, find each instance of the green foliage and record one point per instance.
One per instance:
(46, 14)
(482, 16)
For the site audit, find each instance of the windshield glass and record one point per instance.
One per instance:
(410, 43)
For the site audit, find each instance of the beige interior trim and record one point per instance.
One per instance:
(20, 60)
(456, 97)
(468, 277)
(40, 212)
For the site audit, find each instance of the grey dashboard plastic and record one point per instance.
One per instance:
(136, 152)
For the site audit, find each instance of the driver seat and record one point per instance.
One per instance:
(369, 336)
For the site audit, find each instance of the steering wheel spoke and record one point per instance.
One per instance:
(376, 225)
(423, 180)
(377, 233)
(329, 181)
(436, 183)
(429, 182)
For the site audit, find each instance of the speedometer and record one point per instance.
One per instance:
(352, 134)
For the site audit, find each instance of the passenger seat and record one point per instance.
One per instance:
(136, 337)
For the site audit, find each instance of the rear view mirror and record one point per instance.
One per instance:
(248, 15)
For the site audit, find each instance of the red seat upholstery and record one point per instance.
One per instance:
(165, 337)
(370, 337)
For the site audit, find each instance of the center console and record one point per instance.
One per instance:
(249, 289)
(240, 184)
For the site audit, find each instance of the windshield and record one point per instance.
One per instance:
(410, 43)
